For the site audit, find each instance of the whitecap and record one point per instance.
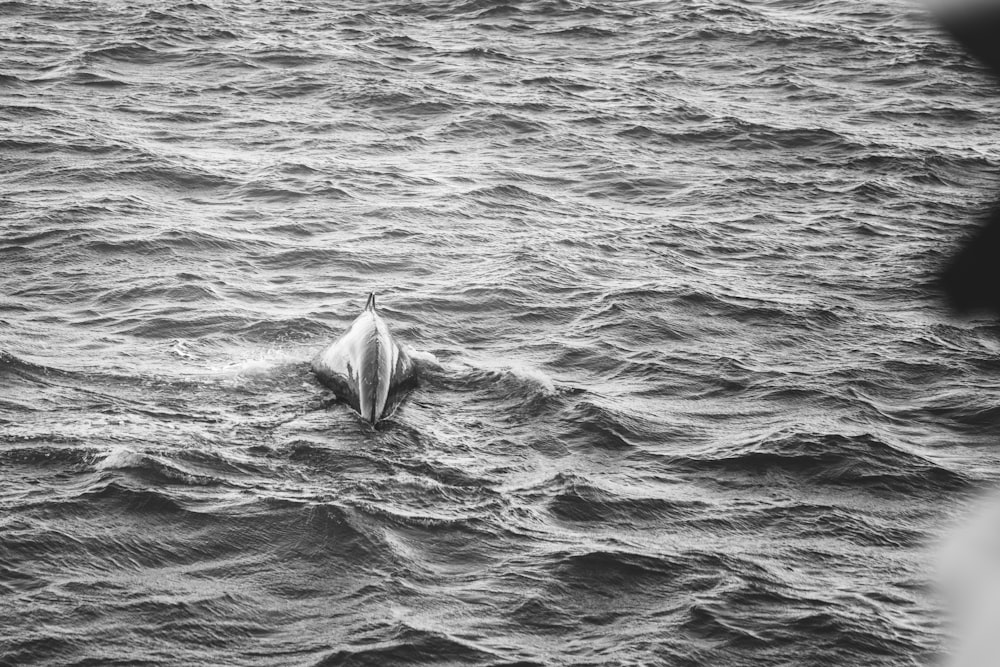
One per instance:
(533, 376)
(261, 363)
(422, 357)
(119, 457)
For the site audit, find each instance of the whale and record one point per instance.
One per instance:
(366, 368)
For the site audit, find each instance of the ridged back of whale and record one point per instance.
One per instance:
(364, 365)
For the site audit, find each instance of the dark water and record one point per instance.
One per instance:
(686, 396)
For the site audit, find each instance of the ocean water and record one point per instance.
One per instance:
(687, 394)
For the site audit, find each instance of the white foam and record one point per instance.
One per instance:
(533, 376)
(120, 457)
(259, 363)
(421, 357)
(179, 348)
(526, 374)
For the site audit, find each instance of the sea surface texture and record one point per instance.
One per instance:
(687, 394)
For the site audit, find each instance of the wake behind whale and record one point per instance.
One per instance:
(366, 368)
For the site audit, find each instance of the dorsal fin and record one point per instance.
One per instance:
(371, 301)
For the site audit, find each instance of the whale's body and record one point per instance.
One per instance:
(365, 367)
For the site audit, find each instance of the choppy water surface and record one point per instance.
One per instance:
(686, 396)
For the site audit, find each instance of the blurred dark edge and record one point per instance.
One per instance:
(971, 278)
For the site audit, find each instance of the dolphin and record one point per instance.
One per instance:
(365, 367)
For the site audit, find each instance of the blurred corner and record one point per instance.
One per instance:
(969, 586)
(970, 280)
(969, 559)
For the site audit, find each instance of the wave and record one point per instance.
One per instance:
(407, 644)
(15, 370)
(515, 380)
(40, 451)
(582, 32)
(179, 467)
(605, 570)
(859, 461)
(12, 364)
(600, 423)
(509, 195)
(577, 499)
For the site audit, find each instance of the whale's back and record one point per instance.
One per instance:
(365, 367)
